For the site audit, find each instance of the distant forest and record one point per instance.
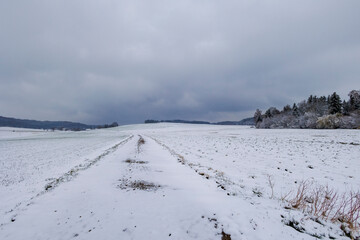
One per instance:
(50, 125)
(246, 121)
(324, 112)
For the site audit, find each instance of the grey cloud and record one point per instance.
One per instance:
(127, 61)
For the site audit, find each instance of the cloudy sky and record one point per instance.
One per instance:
(127, 61)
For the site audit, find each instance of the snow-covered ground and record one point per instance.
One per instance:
(184, 182)
(249, 156)
(30, 159)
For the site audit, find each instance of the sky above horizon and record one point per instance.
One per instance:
(126, 61)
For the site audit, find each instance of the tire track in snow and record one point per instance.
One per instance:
(74, 171)
(66, 177)
(223, 182)
(218, 178)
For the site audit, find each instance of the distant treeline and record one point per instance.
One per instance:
(114, 124)
(50, 125)
(246, 121)
(324, 112)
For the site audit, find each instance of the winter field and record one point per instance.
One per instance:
(177, 181)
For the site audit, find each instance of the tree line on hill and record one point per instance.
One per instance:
(50, 125)
(245, 121)
(315, 112)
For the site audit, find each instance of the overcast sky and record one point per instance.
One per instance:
(127, 61)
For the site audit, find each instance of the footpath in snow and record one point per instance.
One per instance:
(142, 191)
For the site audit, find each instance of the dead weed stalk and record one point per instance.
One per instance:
(271, 183)
(326, 203)
(140, 142)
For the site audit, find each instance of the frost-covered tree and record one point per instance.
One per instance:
(302, 107)
(287, 108)
(257, 116)
(329, 122)
(335, 104)
(310, 99)
(346, 108)
(271, 112)
(314, 113)
(316, 105)
(308, 120)
(295, 110)
(354, 100)
(322, 106)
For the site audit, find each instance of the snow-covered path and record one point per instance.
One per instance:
(145, 193)
(98, 205)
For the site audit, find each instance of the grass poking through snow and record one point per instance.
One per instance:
(325, 203)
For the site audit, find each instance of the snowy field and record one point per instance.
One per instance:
(180, 182)
(31, 158)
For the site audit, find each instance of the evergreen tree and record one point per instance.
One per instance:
(334, 104)
(346, 108)
(310, 99)
(322, 99)
(271, 112)
(295, 110)
(352, 102)
(314, 113)
(287, 108)
(257, 116)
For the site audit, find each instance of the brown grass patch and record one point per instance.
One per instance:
(138, 185)
(132, 161)
(140, 142)
(326, 203)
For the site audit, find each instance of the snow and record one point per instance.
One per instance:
(248, 155)
(31, 158)
(10, 132)
(185, 182)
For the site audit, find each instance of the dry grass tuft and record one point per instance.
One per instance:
(138, 185)
(271, 183)
(326, 203)
(132, 161)
(140, 142)
(299, 200)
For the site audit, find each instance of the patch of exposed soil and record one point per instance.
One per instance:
(225, 236)
(138, 185)
(132, 161)
(351, 143)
